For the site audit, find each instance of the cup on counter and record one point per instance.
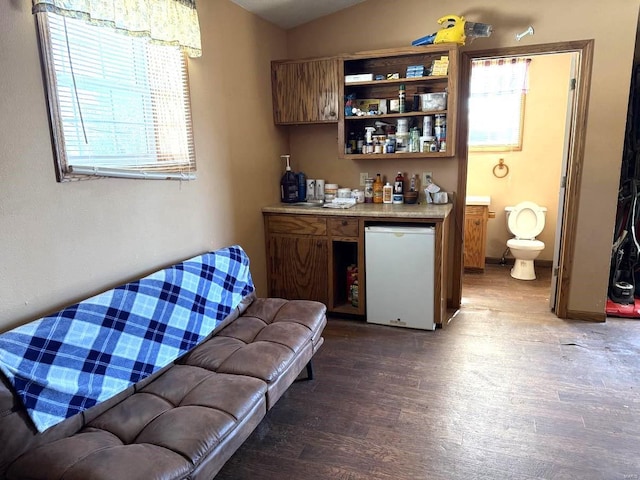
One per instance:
(311, 190)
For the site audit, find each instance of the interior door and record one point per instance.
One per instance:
(566, 152)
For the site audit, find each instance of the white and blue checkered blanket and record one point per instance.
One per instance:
(67, 362)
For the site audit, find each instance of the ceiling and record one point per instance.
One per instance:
(292, 13)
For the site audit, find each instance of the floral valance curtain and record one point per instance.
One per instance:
(499, 76)
(173, 22)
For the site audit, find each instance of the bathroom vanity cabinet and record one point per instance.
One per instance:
(309, 250)
(475, 236)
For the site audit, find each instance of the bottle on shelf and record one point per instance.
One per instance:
(377, 189)
(413, 183)
(399, 184)
(387, 193)
(353, 143)
(398, 189)
(368, 190)
(414, 140)
(402, 97)
(440, 130)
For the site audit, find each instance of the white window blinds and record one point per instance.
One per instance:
(119, 104)
(496, 103)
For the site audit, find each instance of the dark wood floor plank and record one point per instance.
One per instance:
(506, 391)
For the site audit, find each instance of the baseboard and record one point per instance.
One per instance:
(586, 316)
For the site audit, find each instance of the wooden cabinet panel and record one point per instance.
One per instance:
(298, 225)
(343, 227)
(475, 236)
(305, 91)
(299, 268)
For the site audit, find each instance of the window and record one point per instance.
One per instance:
(496, 104)
(119, 104)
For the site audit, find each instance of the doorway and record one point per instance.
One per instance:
(518, 154)
(567, 215)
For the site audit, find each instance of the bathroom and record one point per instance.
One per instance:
(532, 172)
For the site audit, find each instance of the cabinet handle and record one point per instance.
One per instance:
(344, 223)
(477, 222)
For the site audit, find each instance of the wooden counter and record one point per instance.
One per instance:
(310, 248)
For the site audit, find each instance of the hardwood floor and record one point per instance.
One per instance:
(505, 391)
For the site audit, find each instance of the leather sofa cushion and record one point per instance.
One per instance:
(263, 341)
(163, 431)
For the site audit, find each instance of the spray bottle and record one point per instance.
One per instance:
(288, 184)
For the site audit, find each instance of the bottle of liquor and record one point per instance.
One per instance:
(399, 184)
(377, 189)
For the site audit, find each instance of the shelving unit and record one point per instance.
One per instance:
(390, 61)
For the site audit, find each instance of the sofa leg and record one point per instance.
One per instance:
(309, 373)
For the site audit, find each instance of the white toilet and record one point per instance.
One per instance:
(525, 221)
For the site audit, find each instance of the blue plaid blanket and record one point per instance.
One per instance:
(67, 362)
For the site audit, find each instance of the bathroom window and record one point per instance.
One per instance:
(119, 104)
(496, 103)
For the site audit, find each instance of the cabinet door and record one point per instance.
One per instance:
(305, 91)
(475, 237)
(299, 268)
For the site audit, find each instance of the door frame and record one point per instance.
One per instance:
(584, 48)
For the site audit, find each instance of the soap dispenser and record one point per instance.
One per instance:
(288, 184)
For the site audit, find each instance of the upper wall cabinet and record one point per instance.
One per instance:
(305, 91)
(406, 100)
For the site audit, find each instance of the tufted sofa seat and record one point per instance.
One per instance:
(183, 422)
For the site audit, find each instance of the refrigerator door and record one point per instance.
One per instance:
(400, 276)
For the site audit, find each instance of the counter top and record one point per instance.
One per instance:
(478, 200)
(374, 210)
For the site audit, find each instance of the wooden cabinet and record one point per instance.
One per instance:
(298, 257)
(475, 236)
(397, 61)
(308, 257)
(305, 91)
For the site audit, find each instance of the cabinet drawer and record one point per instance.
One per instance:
(343, 227)
(298, 224)
(475, 210)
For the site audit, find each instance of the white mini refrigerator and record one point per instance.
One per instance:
(400, 276)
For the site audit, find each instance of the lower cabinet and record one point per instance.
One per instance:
(475, 236)
(313, 257)
(298, 268)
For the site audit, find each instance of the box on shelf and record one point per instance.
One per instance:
(415, 71)
(372, 105)
(441, 66)
(359, 77)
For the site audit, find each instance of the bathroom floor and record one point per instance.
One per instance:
(495, 289)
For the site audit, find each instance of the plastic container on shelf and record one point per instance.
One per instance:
(433, 101)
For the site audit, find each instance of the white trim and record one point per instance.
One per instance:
(127, 173)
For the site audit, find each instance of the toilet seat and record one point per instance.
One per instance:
(526, 220)
(520, 244)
